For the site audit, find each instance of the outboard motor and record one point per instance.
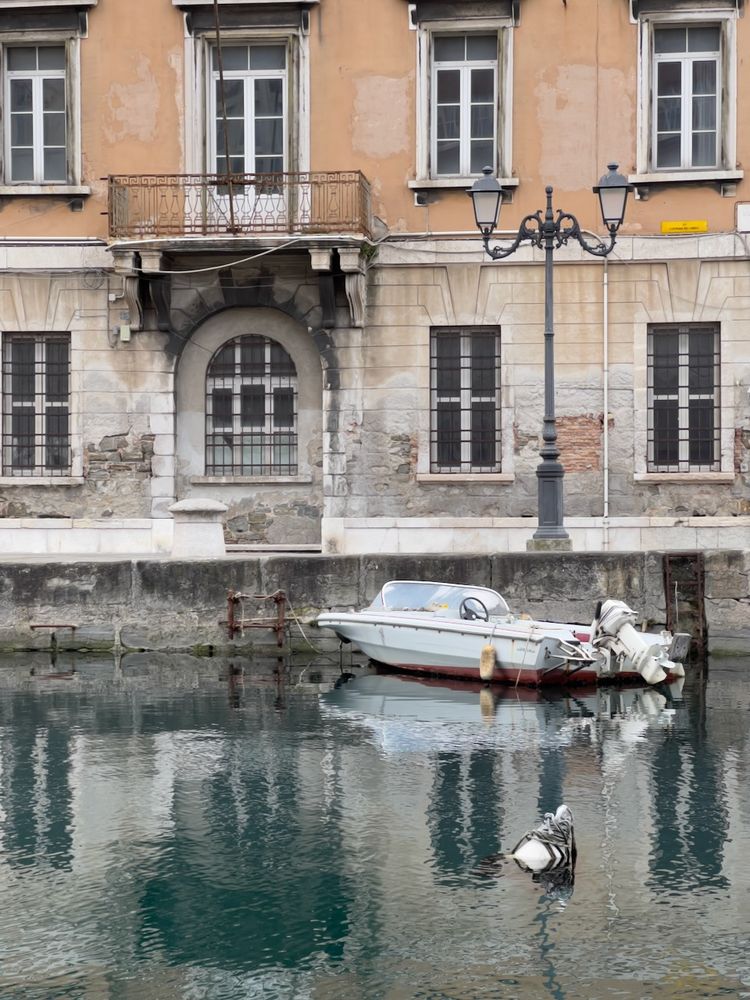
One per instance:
(614, 629)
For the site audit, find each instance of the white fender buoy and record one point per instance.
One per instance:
(487, 661)
(548, 845)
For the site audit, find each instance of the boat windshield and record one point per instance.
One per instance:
(442, 598)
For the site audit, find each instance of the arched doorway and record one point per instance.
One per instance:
(248, 399)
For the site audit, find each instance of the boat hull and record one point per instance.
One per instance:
(523, 655)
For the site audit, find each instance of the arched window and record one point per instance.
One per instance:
(251, 410)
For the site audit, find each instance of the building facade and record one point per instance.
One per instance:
(238, 264)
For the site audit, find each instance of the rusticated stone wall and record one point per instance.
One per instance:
(181, 605)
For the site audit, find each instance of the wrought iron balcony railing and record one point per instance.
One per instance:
(163, 205)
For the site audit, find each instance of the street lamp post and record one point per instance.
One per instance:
(548, 232)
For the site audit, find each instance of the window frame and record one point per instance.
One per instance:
(467, 396)
(685, 60)
(464, 68)
(726, 167)
(10, 472)
(426, 175)
(199, 155)
(684, 396)
(72, 184)
(269, 431)
(248, 78)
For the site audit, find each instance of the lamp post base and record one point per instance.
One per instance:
(549, 544)
(549, 476)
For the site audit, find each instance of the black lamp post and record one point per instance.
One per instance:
(548, 232)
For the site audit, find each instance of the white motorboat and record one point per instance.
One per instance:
(469, 632)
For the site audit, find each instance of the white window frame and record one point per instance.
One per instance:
(199, 156)
(726, 168)
(72, 185)
(426, 177)
(40, 475)
(464, 68)
(248, 78)
(685, 61)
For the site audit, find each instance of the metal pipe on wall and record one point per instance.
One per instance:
(605, 404)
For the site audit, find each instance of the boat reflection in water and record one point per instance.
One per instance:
(436, 717)
(423, 714)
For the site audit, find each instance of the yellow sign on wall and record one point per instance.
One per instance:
(685, 226)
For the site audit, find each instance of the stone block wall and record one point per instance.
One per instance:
(177, 605)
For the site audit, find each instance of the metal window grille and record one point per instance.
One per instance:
(683, 399)
(465, 433)
(36, 405)
(464, 103)
(687, 96)
(251, 410)
(36, 102)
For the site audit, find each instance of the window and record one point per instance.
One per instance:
(254, 102)
(687, 93)
(35, 102)
(687, 77)
(683, 399)
(251, 410)
(464, 120)
(464, 89)
(36, 405)
(41, 116)
(465, 400)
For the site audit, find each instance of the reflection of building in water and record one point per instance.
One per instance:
(321, 832)
(35, 793)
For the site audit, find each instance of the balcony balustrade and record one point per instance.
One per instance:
(153, 206)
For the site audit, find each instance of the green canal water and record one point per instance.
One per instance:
(182, 828)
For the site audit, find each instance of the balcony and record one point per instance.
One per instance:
(154, 206)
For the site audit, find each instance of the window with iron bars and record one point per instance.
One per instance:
(683, 398)
(36, 405)
(465, 399)
(251, 410)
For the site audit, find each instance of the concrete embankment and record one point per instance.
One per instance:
(167, 605)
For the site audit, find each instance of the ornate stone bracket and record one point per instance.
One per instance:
(125, 267)
(320, 260)
(353, 266)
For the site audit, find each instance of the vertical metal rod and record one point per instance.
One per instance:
(220, 63)
(230, 613)
(549, 471)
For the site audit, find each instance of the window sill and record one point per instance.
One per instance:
(238, 3)
(41, 480)
(47, 3)
(685, 177)
(32, 190)
(249, 480)
(448, 478)
(436, 183)
(684, 477)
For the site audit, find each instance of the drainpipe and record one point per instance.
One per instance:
(605, 403)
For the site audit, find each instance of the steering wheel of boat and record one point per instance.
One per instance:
(472, 609)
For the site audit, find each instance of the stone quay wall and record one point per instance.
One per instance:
(168, 605)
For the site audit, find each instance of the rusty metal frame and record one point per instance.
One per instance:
(236, 622)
